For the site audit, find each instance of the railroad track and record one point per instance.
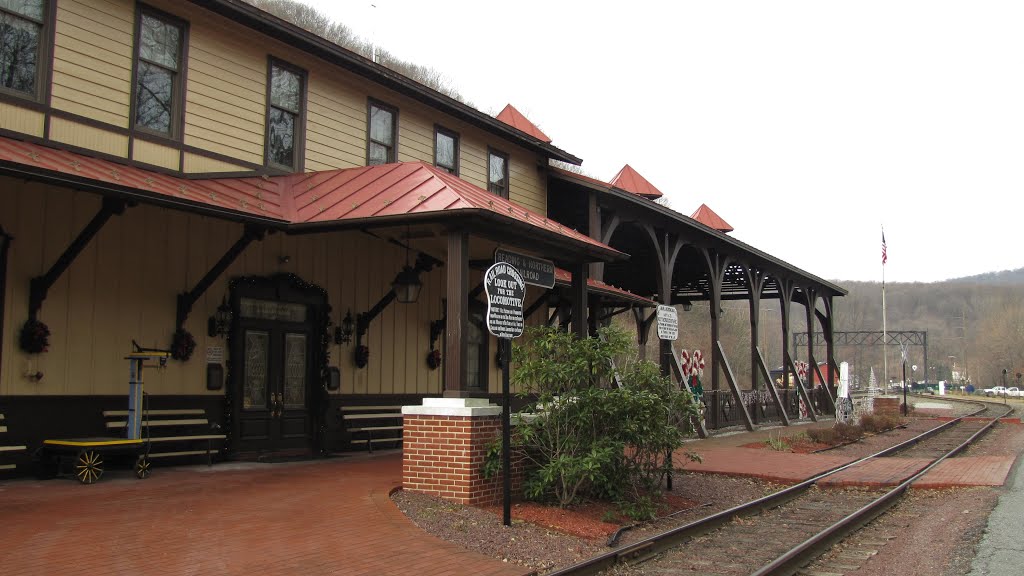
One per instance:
(779, 533)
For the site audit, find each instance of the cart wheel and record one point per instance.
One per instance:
(142, 467)
(89, 466)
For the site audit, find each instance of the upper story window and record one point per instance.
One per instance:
(497, 173)
(158, 72)
(383, 134)
(446, 150)
(21, 37)
(284, 115)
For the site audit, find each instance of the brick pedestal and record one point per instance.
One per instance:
(887, 405)
(444, 443)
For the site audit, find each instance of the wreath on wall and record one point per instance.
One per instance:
(362, 356)
(434, 359)
(34, 337)
(182, 345)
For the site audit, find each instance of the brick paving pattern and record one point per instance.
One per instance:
(325, 517)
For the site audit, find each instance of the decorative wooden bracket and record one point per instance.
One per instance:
(40, 285)
(188, 299)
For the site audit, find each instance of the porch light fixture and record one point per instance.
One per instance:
(406, 285)
(220, 323)
(343, 332)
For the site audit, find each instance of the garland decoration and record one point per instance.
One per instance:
(34, 337)
(434, 359)
(362, 356)
(182, 345)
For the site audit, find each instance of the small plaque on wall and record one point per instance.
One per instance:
(214, 354)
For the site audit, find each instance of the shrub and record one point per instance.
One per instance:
(822, 435)
(848, 432)
(874, 423)
(778, 442)
(588, 437)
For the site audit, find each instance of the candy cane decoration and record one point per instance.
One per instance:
(684, 364)
(698, 363)
(801, 370)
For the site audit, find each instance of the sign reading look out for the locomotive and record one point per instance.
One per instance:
(505, 290)
(668, 323)
(535, 271)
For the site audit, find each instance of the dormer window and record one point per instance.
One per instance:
(284, 115)
(497, 173)
(383, 134)
(446, 150)
(158, 72)
(21, 36)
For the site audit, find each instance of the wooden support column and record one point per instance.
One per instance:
(457, 314)
(810, 305)
(830, 343)
(666, 247)
(643, 329)
(785, 299)
(755, 286)
(594, 232)
(580, 272)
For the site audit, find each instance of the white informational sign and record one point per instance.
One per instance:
(214, 354)
(506, 290)
(668, 323)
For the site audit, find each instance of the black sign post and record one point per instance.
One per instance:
(506, 291)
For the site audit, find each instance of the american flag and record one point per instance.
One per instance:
(885, 257)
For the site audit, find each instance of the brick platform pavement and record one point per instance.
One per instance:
(728, 456)
(324, 517)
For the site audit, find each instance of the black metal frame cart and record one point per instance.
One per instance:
(85, 457)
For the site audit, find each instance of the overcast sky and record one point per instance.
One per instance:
(807, 125)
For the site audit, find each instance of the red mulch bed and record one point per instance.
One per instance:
(796, 445)
(592, 520)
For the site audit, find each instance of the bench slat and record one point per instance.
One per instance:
(371, 416)
(8, 466)
(11, 448)
(365, 408)
(184, 438)
(374, 440)
(154, 423)
(369, 428)
(177, 412)
(3, 428)
(183, 453)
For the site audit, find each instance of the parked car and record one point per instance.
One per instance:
(1014, 392)
(996, 391)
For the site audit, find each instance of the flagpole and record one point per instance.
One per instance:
(885, 355)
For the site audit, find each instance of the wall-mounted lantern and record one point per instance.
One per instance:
(343, 332)
(220, 323)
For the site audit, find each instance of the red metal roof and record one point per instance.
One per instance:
(515, 118)
(564, 278)
(256, 196)
(630, 180)
(707, 217)
(333, 195)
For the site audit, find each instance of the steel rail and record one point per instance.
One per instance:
(653, 545)
(794, 559)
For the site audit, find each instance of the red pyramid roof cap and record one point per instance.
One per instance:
(707, 217)
(515, 119)
(630, 180)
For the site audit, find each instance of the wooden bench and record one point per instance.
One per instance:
(172, 433)
(373, 424)
(6, 449)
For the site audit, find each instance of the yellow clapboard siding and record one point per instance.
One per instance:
(103, 10)
(195, 163)
(103, 92)
(88, 137)
(114, 25)
(248, 127)
(155, 154)
(18, 119)
(223, 98)
(243, 79)
(116, 64)
(206, 139)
